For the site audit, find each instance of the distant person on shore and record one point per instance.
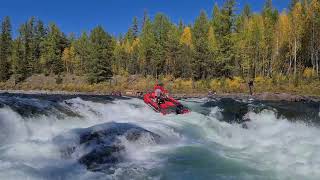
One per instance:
(250, 84)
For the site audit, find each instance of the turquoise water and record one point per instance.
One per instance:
(199, 145)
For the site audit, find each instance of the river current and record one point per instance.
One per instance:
(40, 138)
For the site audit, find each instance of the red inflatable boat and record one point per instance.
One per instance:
(168, 106)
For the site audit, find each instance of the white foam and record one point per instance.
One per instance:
(290, 149)
(11, 126)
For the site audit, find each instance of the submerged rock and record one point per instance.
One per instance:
(100, 147)
(233, 111)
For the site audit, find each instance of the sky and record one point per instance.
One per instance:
(114, 15)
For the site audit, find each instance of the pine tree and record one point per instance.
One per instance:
(82, 48)
(186, 54)
(135, 28)
(30, 45)
(5, 49)
(148, 51)
(52, 51)
(216, 20)
(19, 65)
(200, 63)
(292, 4)
(40, 33)
(101, 55)
(213, 51)
(161, 28)
(172, 50)
(228, 44)
(246, 13)
(128, 36)
(32, 35)
(181, 26)
(226, 18)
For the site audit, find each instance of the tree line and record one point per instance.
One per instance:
(223, 44)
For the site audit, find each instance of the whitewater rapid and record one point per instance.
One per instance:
(194, 146)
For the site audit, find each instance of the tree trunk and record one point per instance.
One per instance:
(295, 56)
(317, 63)
(290, 64)
(263, 66)
(270, 66)
(313, 46)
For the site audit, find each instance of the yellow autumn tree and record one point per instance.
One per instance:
(186, 37)
(282, 42)
(136, 43)
(297, 21)
(69, 59)
(313, 24)
(127, 46)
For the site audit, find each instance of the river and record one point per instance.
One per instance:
(40, 138)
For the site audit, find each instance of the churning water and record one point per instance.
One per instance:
(281, 140)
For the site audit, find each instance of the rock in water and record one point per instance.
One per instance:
(233, 111)
(100, 147)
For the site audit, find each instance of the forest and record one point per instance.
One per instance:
(229, 43)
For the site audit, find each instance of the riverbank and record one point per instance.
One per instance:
(275, 89)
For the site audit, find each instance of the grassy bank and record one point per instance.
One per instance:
(71, 83)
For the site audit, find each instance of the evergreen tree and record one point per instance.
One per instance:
(19, 65)
(5, 49)
(30, 46)
(40, 33)
(128, 36)
(181, 26)
(292, 4)
(51, 54)
(148, 51)
(225, 60)
(201, 58)
(172, 50)
(228, 44)
(101, 55)
(186, 53)
(135, 28)
(246, 13)
(217, 20)
(82, 48)
(161, 28)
